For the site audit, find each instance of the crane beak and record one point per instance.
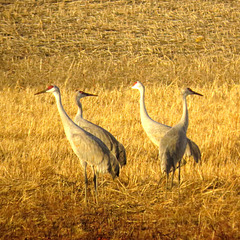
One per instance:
(86, 94)
(199, 94)
(89, 94)
(193, 92)
(44, 91)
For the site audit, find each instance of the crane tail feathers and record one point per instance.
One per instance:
(122, 158)
(114, 167)
(167, 161)
(192, 149)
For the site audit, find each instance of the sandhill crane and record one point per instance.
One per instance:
(89, 149)
(110, 141)
(173, 144)
(155, 130)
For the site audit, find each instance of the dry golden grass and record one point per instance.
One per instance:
(103, 47)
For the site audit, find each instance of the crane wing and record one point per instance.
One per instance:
(106, 137)
(97, 131)
(91, 150)
(156, 133)
(172, 147)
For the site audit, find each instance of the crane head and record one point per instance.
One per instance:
(189, 91)
(82, 94)
(50, 88)
(137, 85)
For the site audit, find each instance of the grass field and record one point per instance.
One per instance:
(103, 47)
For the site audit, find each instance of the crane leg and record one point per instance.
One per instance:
(86, 181)
(173, 171)
(167, 177)
(95, 180)
(179, 171)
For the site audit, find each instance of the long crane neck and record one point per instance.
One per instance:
(143, 111)
(66, 120)
(79, 112)
(184, 120)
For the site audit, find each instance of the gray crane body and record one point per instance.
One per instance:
(89, 149)
(115, 147)
(171, 149)
(155, 130)
(173, 144)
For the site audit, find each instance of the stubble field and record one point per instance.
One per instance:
(103, 47)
